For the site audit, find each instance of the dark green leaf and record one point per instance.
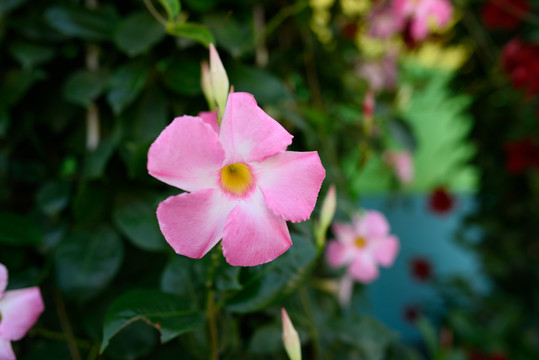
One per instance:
(364, 333)
(181, 74)
(126, 85)
(86, 261)
(81, 22)
(429, 336)
(191, 31)
(227, 277)
(92, 203)
(134, 215)
(135, 156)
(172, 7)
(179, 277)
(84, 86)
(403, 133)
(53, 197)
(270, 282)
(138, 33)
(9, 5)
(135, 341)
(266, 339)
(17, 83)
(200, 5)
(265, 87)
(97, 160)
(230, 30)
(18, 230)
(170, 314)
(4, 120)
(30, 55)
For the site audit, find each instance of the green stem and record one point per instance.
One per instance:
(155, 13)
(212, 310)
(313, 332)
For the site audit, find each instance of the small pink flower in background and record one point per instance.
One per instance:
(242, 185)
(380, 74)
(368, 104)
(19, 311)
(402, 163)
(381, 23)
(420, 15)
(362, 246)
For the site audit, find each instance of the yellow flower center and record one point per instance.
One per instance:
(360, 242)
(236, 179)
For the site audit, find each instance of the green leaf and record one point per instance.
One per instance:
(170, 314)
(266, 340)
(17, 83)
(429, 336)
(81, 22)
(179, 276)
(230, 30)
(172, 7)
(96, 161)
(134, 215)
(196, 32)
(364, 333)
(53, 197)
(265, 87)
(9, 5)
(270, 282)
(138, 33)
(84, 86)
(126, 85)
(86, 261)
(181, 74)
(30, 55)
(92, 202)
(135, 341)
(18, 230)
(200, 5)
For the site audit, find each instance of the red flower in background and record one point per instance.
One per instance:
(504, 14)
(411, 313)
(521, 155)
(479, 355)
(521, 62)
(421, 268)
(441, 201)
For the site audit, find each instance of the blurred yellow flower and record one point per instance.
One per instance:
(437, 56)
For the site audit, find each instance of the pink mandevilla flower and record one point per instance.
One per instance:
(19, 311)
(421, 14)
(362, 246)
(242, 185)
(402, 163)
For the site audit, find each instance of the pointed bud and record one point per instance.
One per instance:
(328, 207)
(368, 104)
(291, 341)
(219, 80)
(205, 84)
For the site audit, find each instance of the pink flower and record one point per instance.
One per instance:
(419, 14)
(19, 311)
(362, 246)
(382, 24)
(242, 185)
(380, 74)
(403, 164)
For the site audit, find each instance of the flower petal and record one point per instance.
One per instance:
(20, 310)
(338, 254)
(344, 233)
(372, 224)
(363, 268)
(210, 118)
(290, 182)
(248, 133)
(3, 279)
(187, 154)
(385, 250)
(254, 234)
(193, 223)
(6, 351)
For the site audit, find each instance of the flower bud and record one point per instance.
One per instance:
(291, 341)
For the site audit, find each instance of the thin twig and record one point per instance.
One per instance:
(155, 13)
(66, 326)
